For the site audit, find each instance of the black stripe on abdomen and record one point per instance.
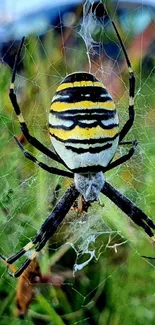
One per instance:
(79, 76)
(78, 94)
(84, 125)
(92, 150)
(92, 113)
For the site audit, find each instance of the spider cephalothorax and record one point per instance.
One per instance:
(89, 185)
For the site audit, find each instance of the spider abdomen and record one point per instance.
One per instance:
(83, 123)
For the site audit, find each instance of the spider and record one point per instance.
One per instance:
(84, 130)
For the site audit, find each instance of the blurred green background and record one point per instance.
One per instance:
(117, 285)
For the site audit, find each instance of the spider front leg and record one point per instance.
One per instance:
(48, 228)
(130, 121)
(34, 142)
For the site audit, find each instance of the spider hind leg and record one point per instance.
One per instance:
(48, 228)
(130, 209)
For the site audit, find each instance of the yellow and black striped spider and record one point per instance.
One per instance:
(84, 130)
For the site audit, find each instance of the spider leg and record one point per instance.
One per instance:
(49, 169)
(130, 121)
(122, 159)
(129, 208)
(34, 142)
(47, 229)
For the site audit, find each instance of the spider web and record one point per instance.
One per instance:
(102, 241)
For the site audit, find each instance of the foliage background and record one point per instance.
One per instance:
(117, 287)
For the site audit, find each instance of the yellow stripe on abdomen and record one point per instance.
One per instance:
(86, 104)
(66, 85)
(83, 133)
